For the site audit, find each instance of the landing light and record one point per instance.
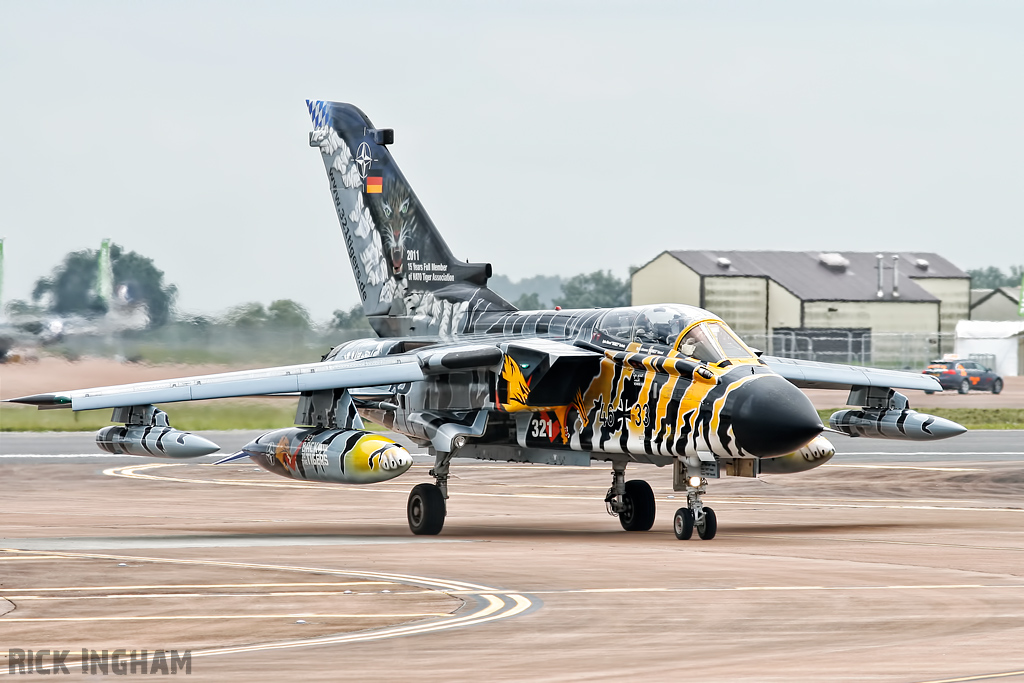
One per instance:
(694, 482)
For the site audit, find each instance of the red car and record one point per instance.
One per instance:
(964, 375)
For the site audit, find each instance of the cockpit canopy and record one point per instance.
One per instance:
(710, 340)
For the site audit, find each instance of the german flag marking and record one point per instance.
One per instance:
(374, 183)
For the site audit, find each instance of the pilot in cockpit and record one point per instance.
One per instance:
(651, 328)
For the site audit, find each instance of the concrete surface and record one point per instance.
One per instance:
(896, 562)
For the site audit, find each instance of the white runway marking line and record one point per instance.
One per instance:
(499, 604)
(827, 504)
(202, 585)
(906, 467)
(979, 677)
(254, 594)
(731, 589)
(132, 472)
(185, 617)
(63, 455)
(962, 546)
(25, 559)
(895, 454)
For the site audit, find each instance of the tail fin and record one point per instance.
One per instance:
(408, 279)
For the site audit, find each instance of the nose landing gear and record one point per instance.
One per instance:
(695, 515)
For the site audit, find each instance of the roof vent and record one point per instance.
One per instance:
(723, 262)
(922, 264)
(834, 261)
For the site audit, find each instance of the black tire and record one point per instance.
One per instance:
(997, 386)
(928, 392)
(638, 506)
(964, 387)
(682, 524)
(709, 528)
(426, 510)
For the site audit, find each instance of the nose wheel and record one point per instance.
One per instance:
(682, 524)
(695, 515)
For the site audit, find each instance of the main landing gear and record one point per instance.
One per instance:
(427, 505)
(633, 501)
(426, 510)
(695, 515)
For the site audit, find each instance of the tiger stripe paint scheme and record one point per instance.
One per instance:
(458, 370)
(647, 401)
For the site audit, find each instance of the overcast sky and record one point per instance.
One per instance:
(544, 137)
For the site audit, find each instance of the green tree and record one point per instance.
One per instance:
(137, 279)
(352, 319)
(71, 288)
(992, 277)
(20, 307)
(598, 289)
(287, 314)
(247, 316)
(528, 302)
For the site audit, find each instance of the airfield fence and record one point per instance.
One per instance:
(182, 342)
(894, 350)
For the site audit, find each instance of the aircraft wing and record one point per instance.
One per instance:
(808, 374)
(285, 379)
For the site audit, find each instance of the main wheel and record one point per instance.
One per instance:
(997, 386)
(964, 387)
(709, 527)
(929, 392)
(426, 510)
(682, 524)
(638, 506)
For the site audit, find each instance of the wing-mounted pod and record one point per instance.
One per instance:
(334, 447)
(146, 431)
(340, 456)
(886, 414)
(538, 373)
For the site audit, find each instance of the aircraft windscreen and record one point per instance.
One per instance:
(618, 322)
(728, 343)
(697, 344)
(659, 325)
(710, 342)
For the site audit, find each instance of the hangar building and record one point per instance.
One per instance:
(1002, 303)
(894, 309)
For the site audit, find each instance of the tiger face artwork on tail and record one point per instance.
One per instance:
(409, 281)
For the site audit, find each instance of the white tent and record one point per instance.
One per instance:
(1003, 339)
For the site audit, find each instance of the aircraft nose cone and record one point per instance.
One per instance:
(772, 417)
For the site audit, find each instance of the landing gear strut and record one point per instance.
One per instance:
(427, 508)
(695, 515)
(633, 501)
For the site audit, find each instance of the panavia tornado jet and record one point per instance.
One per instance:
(459, 371)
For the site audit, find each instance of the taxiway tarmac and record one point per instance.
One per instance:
(896, 562)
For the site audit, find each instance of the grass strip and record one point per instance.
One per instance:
(188, 416)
